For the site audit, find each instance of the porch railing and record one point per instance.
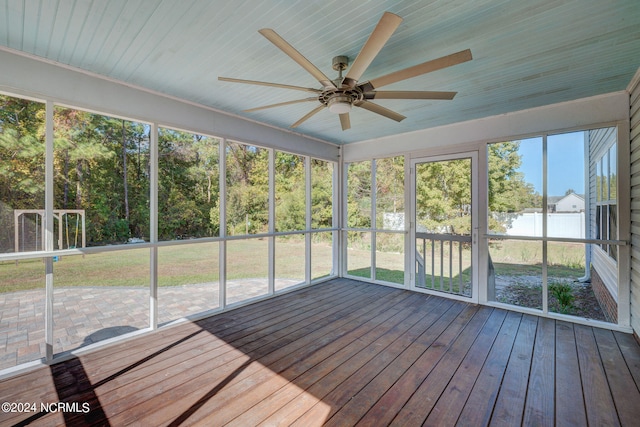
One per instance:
(448, 269)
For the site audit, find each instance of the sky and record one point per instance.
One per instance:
(565, 162)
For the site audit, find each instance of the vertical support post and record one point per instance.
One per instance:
(222, 251)
(272, 221)
(480, 244)
(409, 231)
(153, 218)
(586, 226)
(372, 214)
(48, 227)
(623, 195)
(308, 212)
(340, 218)
(545, 285)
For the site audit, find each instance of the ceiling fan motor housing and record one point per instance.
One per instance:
(332, 97)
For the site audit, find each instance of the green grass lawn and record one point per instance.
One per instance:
(521, 257)
(510, 258)
(198, 263)
(177, 265)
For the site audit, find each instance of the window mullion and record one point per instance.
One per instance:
(545, 285)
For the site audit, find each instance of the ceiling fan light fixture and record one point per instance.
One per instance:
(339, 104)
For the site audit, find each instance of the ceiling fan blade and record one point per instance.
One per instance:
(307, 116)
(280, 104)
(409, 94)
(282, 44)
(380, 110)
(345, 121)
(254, 82)
(417, 70)
(378, 38)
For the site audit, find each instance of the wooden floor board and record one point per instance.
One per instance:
(427, 394)
(375, 357)
(289, 368)
(600, 407)
(317, 367)
(275, 355)
(540, 399)
(480, 403)
(396, 361)
(570, 409)
(347, 353)
(509, 407)
(453, 398)
(623, 389)
(175, 360)
(628, 346)
(398, 382)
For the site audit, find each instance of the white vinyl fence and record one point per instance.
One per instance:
(571, 225)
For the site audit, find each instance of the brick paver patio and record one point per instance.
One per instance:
(85, 315)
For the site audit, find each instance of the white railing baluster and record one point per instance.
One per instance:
(458, 240)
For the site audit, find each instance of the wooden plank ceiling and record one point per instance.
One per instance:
(526, 53)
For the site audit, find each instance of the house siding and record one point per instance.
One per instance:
(634, 138)
(599, 141)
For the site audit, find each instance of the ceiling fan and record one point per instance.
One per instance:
(343, 93)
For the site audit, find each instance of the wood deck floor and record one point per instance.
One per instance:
(345, 353)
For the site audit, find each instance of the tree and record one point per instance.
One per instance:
(389, 187)
(443, 190)
(359, 195)
(508, 190)
(247, 197)
(188, 184)
(321, 194)
(443, 196)
(22, 152)
(290, 192)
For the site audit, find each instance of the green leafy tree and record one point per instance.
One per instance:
(321, 194)
(443, 196)
(389, 187)
(188, 184)
(247, 195)
(359, 195)
(508, 190)
(290, 190)
(21, 165)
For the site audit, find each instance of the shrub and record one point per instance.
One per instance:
(564, 294)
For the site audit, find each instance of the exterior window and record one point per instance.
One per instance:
(375, 219)
(606, 218)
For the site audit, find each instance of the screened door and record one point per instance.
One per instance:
(444, 227)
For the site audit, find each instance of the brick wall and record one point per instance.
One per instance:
(607, 303)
